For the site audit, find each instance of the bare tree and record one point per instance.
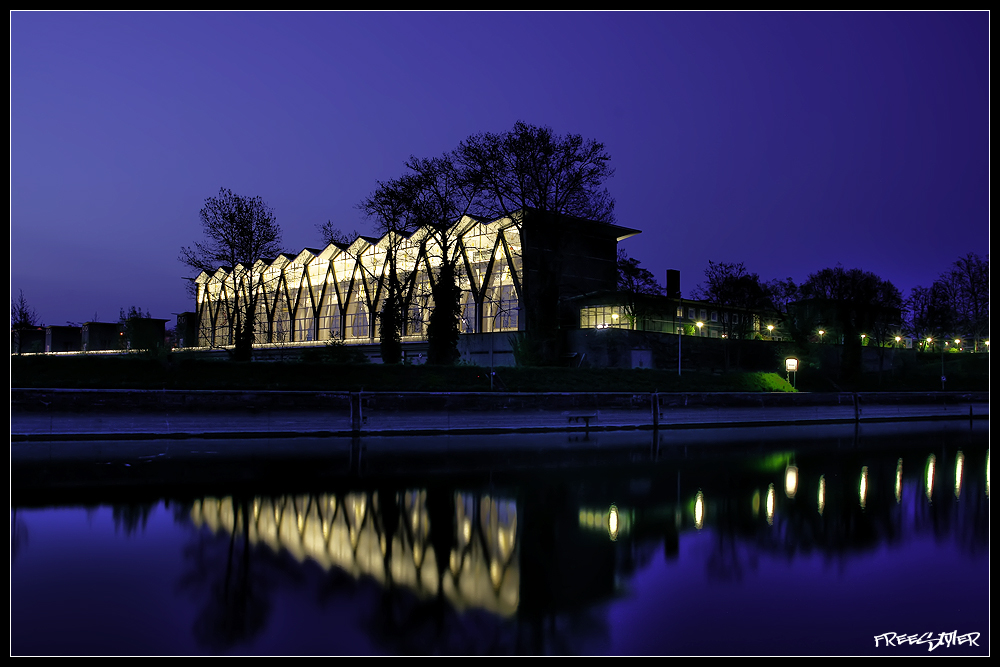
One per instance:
(638, 289)
(533, 168)
(433, 195)
(22, 318)
(333, 234)
(239, 231)
(957, 304)
(390, 207)
(740, 295)
(855, 302)
(22, 315)
(969, 284)
(737, 292)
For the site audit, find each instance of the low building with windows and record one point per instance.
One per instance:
(516, 274)
(687, 317)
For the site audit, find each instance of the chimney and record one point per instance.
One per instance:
(673, 283)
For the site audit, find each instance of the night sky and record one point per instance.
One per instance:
(790, 142)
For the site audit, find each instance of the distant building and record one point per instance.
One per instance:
(143, 333)
(659, 314)
(63, 339)
(27, 340)
(186, 332)
(98, 336)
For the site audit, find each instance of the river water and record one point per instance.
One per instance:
(830, 540)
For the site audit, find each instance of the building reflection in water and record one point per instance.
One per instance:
(538, 573)
(899, 481)
(349, 532)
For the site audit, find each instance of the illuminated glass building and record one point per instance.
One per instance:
(516, 274)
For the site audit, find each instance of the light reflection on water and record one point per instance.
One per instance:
(635, 551)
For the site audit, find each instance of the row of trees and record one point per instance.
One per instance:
(846, 302)
(956, 305)
(850, 305)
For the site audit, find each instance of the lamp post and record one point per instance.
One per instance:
(821, 334)
(791, 367)
(892, 363)
(770, 332)
(943, 378)
(680, 334)
(700, 325)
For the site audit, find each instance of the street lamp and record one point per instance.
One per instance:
(700, 325)
(943, 377)
(770, 331)
(791, 367)
(821, 334)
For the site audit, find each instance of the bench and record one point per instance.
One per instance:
(585, 416)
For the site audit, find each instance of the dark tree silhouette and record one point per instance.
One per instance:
(638, 289)
(22, 318)
(957, 304)
(22, 315)
(330, 233)
(433, 194)
(855, 302)
(740, 295)
(493, 176)
(239, 231)
(531, 167)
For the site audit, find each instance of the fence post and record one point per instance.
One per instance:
(355, 412)
(655, 401)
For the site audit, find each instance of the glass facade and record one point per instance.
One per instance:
(337, 293)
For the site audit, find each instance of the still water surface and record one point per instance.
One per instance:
(805, 540)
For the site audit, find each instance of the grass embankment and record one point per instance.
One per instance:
(176, 372)
(965, 372)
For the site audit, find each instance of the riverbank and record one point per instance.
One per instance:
(109, 414)
(964, 372)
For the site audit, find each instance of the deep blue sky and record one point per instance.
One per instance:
(790, 142)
